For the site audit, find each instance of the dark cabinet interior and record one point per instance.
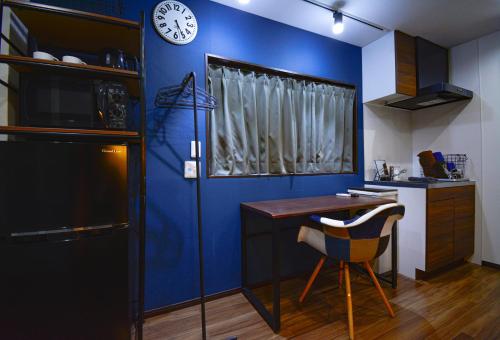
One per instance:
(432, 61)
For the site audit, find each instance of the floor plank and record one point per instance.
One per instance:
(461, 304)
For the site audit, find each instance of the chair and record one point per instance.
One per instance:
(358, 240)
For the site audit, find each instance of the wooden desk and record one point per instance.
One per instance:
(270, 216)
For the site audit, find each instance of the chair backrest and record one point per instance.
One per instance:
(364, 237)
(375, 223)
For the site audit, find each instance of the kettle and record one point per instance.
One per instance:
(116, 58)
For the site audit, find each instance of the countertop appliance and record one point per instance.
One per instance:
(432, 79)
(69, 102)
(58, 101)
(64, 241)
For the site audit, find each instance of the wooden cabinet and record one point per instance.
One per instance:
(406, 64)
(450, 226)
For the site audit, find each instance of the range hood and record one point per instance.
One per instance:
(437, 94)
(432, 79)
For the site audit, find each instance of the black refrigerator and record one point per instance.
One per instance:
(64, 241)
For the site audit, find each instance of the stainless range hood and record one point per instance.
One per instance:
(432, 79)
(437, 94)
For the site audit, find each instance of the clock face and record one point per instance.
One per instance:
(175, 22)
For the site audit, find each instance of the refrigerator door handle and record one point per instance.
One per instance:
(69, 230)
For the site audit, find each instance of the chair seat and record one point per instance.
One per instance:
(345, 249)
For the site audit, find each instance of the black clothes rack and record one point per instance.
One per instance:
(188, 96)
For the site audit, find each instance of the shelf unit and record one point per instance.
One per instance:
(47, 24)
(126, 136)
(82, 31)
(28, 64)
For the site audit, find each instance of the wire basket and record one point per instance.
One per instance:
(455, 165)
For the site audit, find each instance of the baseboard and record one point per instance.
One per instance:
(490, 264)
(167, 309)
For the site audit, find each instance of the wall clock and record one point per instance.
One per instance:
(175, 22)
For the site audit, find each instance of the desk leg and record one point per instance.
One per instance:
(394, 255)
(243, 216)
(393, 281)
(276, 276)
(273, 318)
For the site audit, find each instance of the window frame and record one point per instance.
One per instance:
(223, 61)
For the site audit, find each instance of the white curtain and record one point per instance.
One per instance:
(266, 124)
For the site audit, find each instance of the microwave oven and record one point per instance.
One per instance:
(72, 102)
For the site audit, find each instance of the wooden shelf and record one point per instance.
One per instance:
(111, 134)
(77, 30)
(28, 64)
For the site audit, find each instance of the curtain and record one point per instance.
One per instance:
(265, 124)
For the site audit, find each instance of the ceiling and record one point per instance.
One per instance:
(445, 22)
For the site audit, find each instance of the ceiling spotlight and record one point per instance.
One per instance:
(243, 2)
(338, 24)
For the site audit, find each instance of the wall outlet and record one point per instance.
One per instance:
(190, 169)
(193, 150)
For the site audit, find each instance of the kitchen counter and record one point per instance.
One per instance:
(411, 184)
(438, 228)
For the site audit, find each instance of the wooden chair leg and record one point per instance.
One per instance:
(381, 292)
(349, 301)
(341, 270)
(312, 278)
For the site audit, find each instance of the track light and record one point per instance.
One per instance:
(243, 2)
(338, 23)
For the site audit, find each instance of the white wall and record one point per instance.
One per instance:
(489, 76)
(379, 68)
(387, 135)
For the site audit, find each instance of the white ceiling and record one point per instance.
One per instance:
(445, 22)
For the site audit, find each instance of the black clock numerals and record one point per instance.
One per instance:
(175, 22)
(168, 7)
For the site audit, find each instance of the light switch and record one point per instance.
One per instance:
(190, 169)
(193, 150)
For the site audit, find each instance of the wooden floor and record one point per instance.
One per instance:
(461, 304)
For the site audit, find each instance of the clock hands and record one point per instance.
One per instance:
(179, 28)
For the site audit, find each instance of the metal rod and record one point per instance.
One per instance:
(350, 16)
(142, 203)
(198, 206)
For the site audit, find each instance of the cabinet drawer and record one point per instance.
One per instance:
(440, 194)
(434, 195)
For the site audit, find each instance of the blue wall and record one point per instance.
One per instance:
(171, 274)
